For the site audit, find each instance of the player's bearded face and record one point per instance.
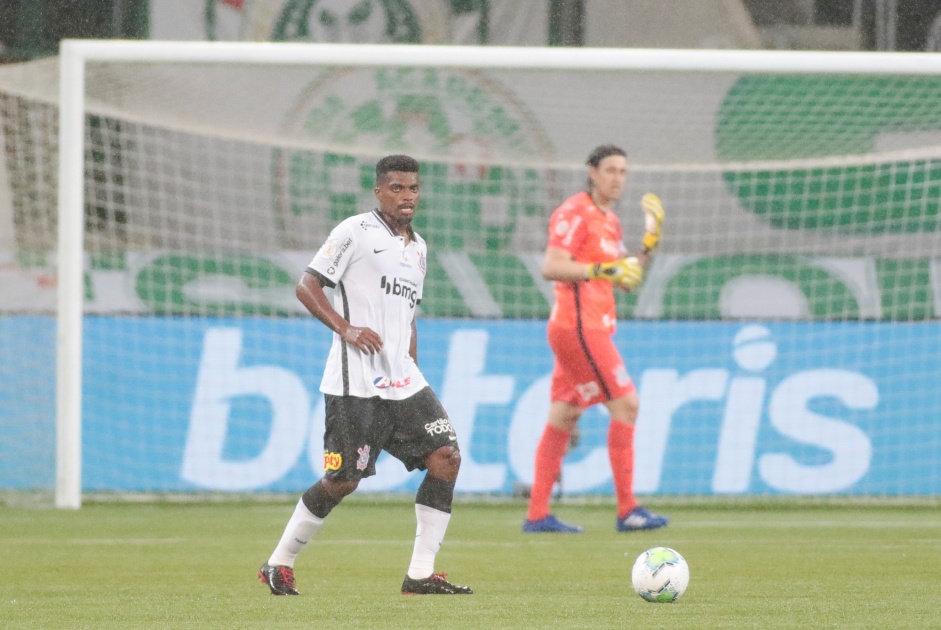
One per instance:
(609, 176)
(398, 194)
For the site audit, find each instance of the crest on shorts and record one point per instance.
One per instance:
(363, 460)
(588, 390)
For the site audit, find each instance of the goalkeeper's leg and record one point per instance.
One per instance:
(623, 412)
(630, 515)
(549, 454)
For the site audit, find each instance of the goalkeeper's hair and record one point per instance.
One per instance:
(603, 151)
(600, 153)
(395, 164)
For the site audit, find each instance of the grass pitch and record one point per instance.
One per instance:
(192, 565)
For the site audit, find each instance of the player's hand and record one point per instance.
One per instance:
(653, 221)
(363, 339)
(626, 273)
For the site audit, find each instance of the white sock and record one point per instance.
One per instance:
(432, 525)
(300, 529)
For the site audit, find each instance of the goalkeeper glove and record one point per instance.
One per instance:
(653, 221)
(627, 273)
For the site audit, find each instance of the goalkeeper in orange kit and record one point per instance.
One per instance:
(586, 258)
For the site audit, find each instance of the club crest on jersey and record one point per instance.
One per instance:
(363, 459)
(422, 264)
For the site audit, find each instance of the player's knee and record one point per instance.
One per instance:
(625, 408)
(338, 489)
(453, 457)
(444, 462)
(633, 406)
(326, 494)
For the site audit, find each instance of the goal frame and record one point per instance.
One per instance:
(76, 54)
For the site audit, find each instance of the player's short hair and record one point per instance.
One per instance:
(603, 151)
(396, 164)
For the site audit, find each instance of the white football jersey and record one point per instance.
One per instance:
(377, 281)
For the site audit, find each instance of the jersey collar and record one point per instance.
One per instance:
(378, 215)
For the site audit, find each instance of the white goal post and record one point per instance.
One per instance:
(76, 55)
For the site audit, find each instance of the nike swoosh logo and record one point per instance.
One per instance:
(379, 251)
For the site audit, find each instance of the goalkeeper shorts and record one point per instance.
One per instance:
(588, 367)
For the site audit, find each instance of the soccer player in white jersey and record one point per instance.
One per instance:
(376, 397)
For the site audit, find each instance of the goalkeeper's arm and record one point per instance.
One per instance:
(653, 224)
(626, 273)
(558, 265)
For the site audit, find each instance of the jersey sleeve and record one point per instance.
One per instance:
(567, 229)
(334, 256)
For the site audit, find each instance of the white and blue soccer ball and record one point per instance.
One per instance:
(660, 574)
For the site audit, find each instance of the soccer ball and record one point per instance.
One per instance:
(660, 574)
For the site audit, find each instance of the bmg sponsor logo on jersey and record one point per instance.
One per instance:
(400, 287)
(441, 425)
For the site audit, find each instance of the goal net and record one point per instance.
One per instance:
(158, 202)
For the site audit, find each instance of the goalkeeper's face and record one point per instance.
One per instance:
(609, 177)
(398, 194)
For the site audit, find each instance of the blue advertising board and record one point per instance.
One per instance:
(737, 408)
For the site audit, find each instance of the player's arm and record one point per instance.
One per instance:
(653, 226)
(310, 292)
(559, 265)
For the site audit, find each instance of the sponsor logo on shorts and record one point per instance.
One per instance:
(363, 459)
(332, 461)
(441, 425)
(588, 390)
(621, 376)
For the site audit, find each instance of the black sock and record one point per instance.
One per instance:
(435, 493)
